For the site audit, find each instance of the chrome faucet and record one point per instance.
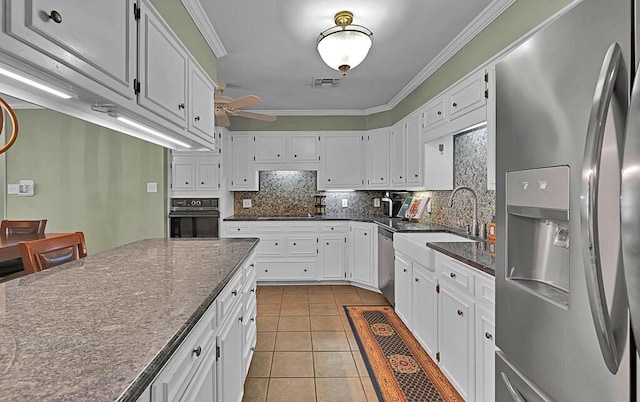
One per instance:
(474, 223)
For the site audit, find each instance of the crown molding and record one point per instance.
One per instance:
(315, 112)
(199, 17)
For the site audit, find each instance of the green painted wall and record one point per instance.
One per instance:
(181, 23)
(516, 21)
(88, 178)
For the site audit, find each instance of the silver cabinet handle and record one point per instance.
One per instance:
(515, 395)
(629, 213)
(611, 73)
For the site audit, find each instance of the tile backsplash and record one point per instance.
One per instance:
(470, 169)
(293, 193)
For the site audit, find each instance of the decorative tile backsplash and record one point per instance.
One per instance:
(293, 193)
(470, 169)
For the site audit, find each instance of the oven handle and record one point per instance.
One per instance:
(191, 215)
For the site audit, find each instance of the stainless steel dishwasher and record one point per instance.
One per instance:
(385, 263)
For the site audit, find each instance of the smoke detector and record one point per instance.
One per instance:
(320, 83)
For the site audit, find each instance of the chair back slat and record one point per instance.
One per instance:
(41, 254)
(13, 227)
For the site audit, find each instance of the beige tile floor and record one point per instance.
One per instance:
(306, 350)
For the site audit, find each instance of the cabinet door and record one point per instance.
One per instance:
(203, 386)
(242, 172)
(269, 148)
(182, 174)
(303, 148)
(96, 38)
(467, 96)
(332, 258)
(433, 114)
(378, 158)
(438, 156)
(397, 154)
(163, 66)
(341, 162)
(207, 174)
(302, 246)
(425, 309)
(485, 356)
(363, 254)
(491, 129)
(403, 288)
(456, 340)
(229, 370)
(413, 154)
(201, 115)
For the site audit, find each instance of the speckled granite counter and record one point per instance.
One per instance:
(101, 328)
(475, 254)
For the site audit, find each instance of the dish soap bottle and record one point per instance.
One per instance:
(492, 229)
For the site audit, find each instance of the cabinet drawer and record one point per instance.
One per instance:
(249, 292)
(486, 292)
(229, 296)
(333, 228)
(456, 273)
(270, 271)
(238, 228)
(178, 371)
(303, 246)
(300, 227)
(467, 96)
(268, 227)
(270, 247)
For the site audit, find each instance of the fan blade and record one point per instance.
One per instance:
(222, 100)
(257, 116)
(222, 120)
(244, 101)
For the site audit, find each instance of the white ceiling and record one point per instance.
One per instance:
(271, 48)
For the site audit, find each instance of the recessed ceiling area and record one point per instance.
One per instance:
(271, 49)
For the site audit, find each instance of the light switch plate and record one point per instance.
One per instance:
(246, 203)
(376, 202)
(152, 187)
(344, 203)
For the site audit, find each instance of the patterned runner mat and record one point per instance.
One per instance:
(400, 369)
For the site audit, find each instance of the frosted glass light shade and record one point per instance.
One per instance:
(347, 46)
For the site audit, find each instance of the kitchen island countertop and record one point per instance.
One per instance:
(102, 327)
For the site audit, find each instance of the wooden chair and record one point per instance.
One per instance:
(8, 227)
(38, 255)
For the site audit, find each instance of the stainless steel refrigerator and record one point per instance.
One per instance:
(568, 219)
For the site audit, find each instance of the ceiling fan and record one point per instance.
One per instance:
(226, 106)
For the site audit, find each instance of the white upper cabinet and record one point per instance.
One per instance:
(163, 69)
(207, 174)
(438, 161)
(302, 148)
(200, 105)
(243, 174)
(467, 95)
(95, 38)
(397, 154)
(182, 174)
(413, 150)
(378, 157)
(341, 162)
(491, 128)
(269, 148)
(433, 114)
(195, 173)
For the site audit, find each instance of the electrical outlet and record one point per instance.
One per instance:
(152, 187)
(376, 202)
(246, 203)
(344, 203)
(12, 188)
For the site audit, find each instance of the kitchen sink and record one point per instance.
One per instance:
(414, 245)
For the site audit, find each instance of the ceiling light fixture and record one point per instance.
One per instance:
(34, 84)
(345, 45)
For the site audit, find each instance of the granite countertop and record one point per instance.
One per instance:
(475, 254)
(101, 328)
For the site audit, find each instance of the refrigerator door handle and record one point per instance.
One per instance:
(608, 81)
(517, 396)
(629, 211)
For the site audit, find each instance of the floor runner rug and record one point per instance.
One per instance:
(400, 369)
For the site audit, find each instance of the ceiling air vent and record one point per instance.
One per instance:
(325, 82)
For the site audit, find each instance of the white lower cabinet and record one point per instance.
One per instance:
(450, 311)
(213, 360)
(332, 251)
(425, 308)
(402, 282)
(364, 249)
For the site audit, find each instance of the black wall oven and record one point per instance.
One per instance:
(194, 217)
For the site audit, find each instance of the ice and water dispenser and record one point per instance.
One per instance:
(538, 232)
